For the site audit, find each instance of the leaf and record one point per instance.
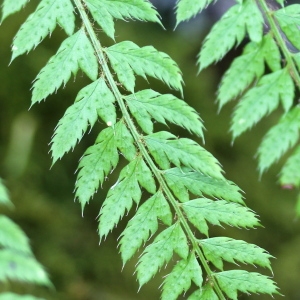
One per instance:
(187, 9)
(43, 22)
(12, 296)
(127, 58)
(121, 195)
(11, 236)
(179, 280)
(144, 224)
(160, 252)
(262, 100)
(246, 282)
(288, 19)
(75, 52)
(166, 148)
(279, 139)
(248, 67)
(148, 104)
(183, 180)
(203, 210)
(19, 267)
(231, 30)
(290, 174)
(222, 248)
(206, 293)
(93, 100)
(4, 198)
(10, 7)
(103, 11)
(100, 159)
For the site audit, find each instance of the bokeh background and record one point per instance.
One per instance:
(66, 242)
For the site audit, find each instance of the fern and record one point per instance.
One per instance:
(16, 258)
(259, 91)
(185, 186)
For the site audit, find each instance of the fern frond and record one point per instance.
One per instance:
(122, 194)
(246, 282)
(148, 104)
(279, 139)
(230, 31)
(166, 148)
(262, 100)
(206, 293)
(100, 159)
(75, 52)
(187, 9)
(94, 100)
(179, 280)
(183, 180)
(248, 67)
(10, 7)
(159, 253)
(128, 59)
(104, 12)
(43, 22)
(218, 249)
(12, 296)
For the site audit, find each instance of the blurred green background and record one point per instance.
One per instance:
(66, 242)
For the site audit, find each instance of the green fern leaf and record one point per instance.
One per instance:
(127, 58)
(290, 175)
(43, 22)
(10, 7)
(19, 267)
(187, 9)
(288, 19)
(203, 210)
(12, 296)
(206, 293)
(279, 139)
(231, 30)
(93, 100)
(181, 277)
(75, 52)
(247, 67)
(160, 252)
(103, 11)
(121, 196)
(183, 180)
(4, 198)
(218, 248)
(12, 237)
(166, 149)
(100, 159)
(144, 224)
(262, 100)
(148, 104)
(246, 282)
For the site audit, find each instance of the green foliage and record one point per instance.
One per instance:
(17, 262)
(259, 90)
(178, 187)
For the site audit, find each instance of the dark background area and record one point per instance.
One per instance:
(66, 243)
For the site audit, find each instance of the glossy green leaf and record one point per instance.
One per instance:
(92, 101)
(148, 104)
(128, 59)
(43, 22)
(75, 52)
